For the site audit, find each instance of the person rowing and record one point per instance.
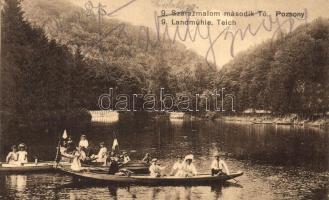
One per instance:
(12, 156)
(177, 167)
(22, 154)
(155, 168)
(218, 165)
(114, 164)
(126, 158)
(147, 158)
(188, 168)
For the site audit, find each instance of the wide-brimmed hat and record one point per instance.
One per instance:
(154, 160)
(21, 145)
(189, 157)
(216, 154)
(102, 143)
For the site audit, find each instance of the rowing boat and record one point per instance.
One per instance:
(135, 167)
(148, 180)
(26, 167)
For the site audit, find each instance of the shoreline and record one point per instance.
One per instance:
(288, 119)
(292, 120)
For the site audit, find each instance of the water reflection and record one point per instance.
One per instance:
(17, 182)
(83, 190)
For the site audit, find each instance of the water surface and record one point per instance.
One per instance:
(280, 162)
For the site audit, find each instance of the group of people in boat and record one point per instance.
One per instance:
(183, 167)
(82, 153)
(18, 155)
(186, 168)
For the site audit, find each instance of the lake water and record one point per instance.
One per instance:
(280, 162)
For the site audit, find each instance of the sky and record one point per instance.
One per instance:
(216, 42)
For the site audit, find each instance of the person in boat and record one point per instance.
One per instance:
(155, 169)
(218, 165)
(114, 165)
(177, 167)
(83, 141)
(188, 168)
(22, 154)
(12, 156)
(147, 158)
(126, 157)
(102, 154)
(76, 164)
(70, 144)
(83, 155)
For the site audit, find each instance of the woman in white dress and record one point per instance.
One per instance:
(12, 156)
(22, 154)
(188, 168)
(76, 164)
(177, 167)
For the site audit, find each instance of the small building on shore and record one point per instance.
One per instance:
(104, 116)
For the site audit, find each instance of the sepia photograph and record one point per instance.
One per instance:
(164, 99)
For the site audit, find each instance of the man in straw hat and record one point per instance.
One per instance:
(218, 165)
(155, 168)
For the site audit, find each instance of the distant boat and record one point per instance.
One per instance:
(26, 168)
(177, 115)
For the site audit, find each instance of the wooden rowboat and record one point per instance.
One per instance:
(136, 167)
(93, 177)
(27, 167)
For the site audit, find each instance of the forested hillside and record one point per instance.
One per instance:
(39, 77)
(288, 75)
(126, 57)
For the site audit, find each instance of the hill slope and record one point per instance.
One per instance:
(288, 75)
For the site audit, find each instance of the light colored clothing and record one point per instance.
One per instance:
(12, 157)
(83, 143)
(219, 165)
(188, 170)
(155, 170)
(101, 156)
(177, 169)
(126, 159)
(76, 164)
(22, 157)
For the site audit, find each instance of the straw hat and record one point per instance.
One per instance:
(189, 157)
(216, 154)
(154, 160)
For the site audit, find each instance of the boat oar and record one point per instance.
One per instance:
(57, 153)
(236, 181)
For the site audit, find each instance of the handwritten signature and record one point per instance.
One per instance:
(183, 33)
